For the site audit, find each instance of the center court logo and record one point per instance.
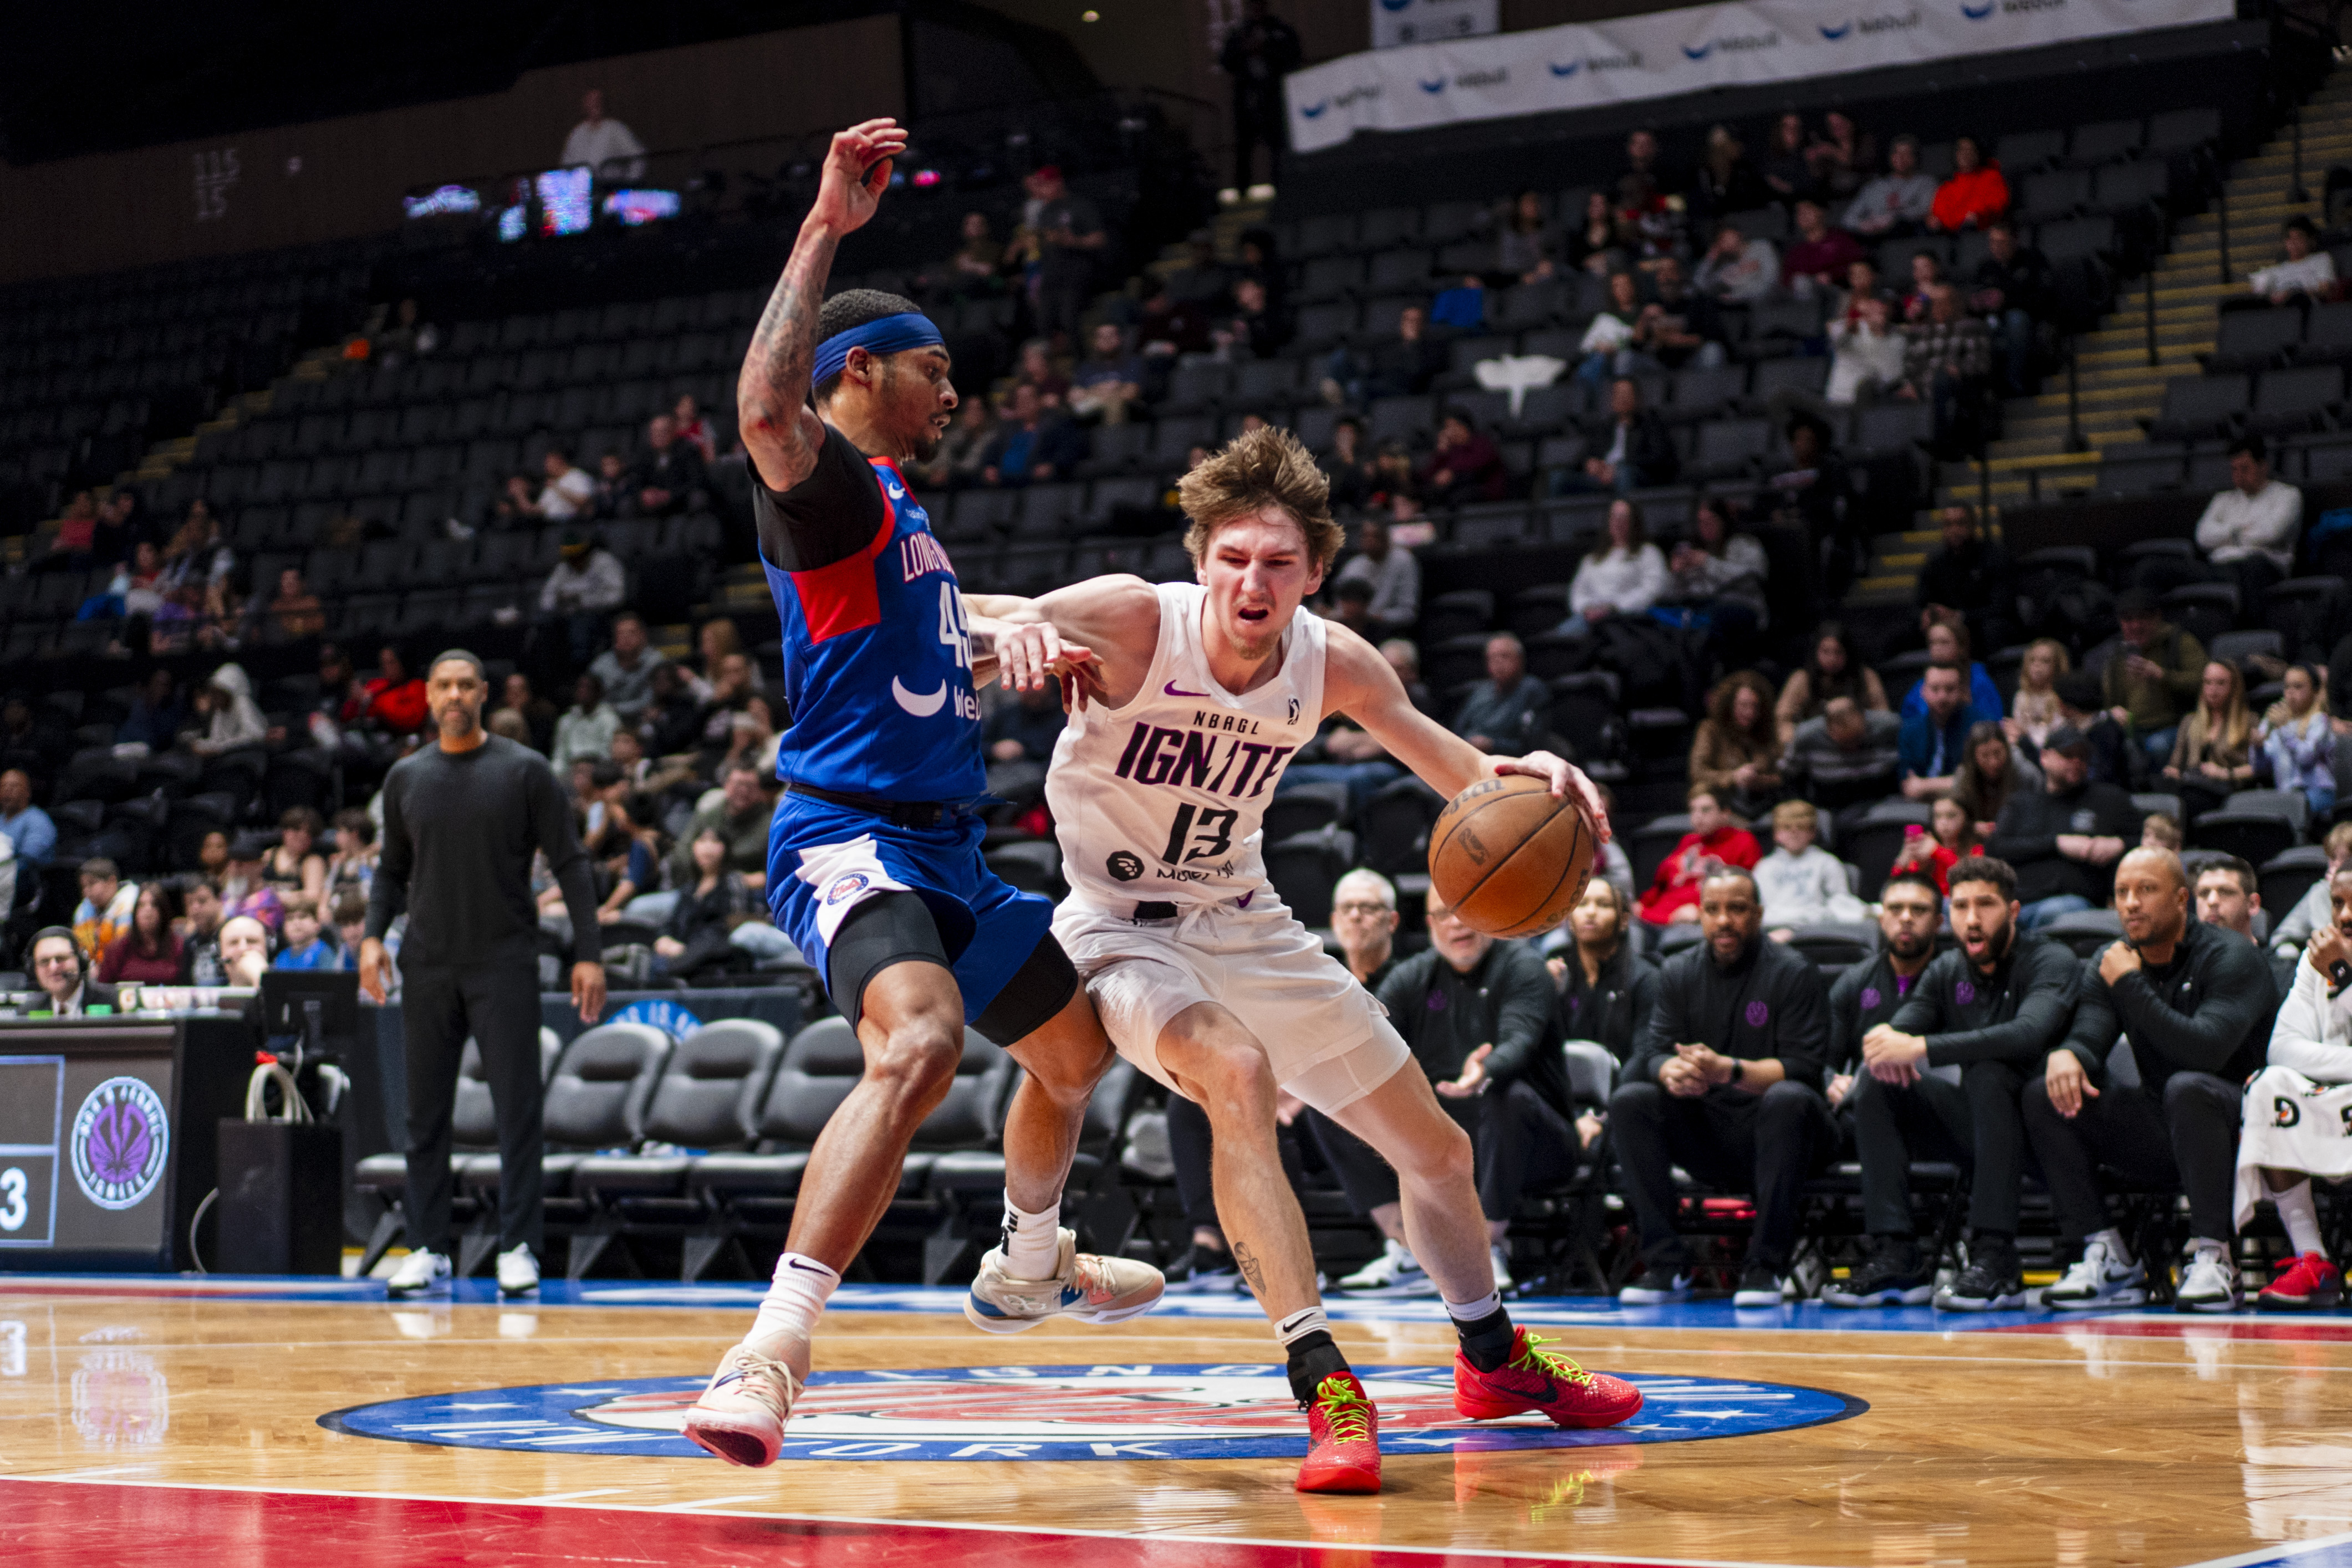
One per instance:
(1139, 1411)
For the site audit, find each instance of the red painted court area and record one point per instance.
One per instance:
(48, 1524)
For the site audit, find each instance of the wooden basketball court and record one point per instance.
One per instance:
(180, 1421)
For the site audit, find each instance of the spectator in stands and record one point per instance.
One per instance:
(1784, 166)
(1990, 774)
(1608, 343)
(148, 951)
(626, 668)
(2195, 1003)
(568, 493)
(1677, 328)
(1974, 195)
(70, 548)
(1801, 883)
(1742, 1111)
(2213, 749)
(741, 815)
(1622, 574)
(2226, 895)
(2311, 912)
(586, 585)
(671, 721)
(1018, 736)
(294, 611)
(62, 967)
(1927, 272)
(1969, 578)
(243, 948)
(1842, 155)
(694, 429)
(1632, 449)
(1649, 224)
(28, 829)
(1819, 258)
(2308, 270)
(1935, 740)
(1464, 466)
(1810, 492)
(666, 480)
(1942, 1081)
(391, 700)
(1950, 838)
(2298, 741)
(293, 864)
(1171, 325)
(2016, 288)
(1725, 181)
(1845, 760)
(404, 339)
(1035, 368)
(711, 903)
(352, 868)
(584, 733)
(1071, 230)
(107, 902)
(2114, 759)
(537, 713)
(1526, 251)
(1257, 52)
(1606, 987)
(1948, 643)
(111, 539)
(2064, 841)
(350, 913)
(1947, 358)
(1644, 156)
(2249, 531)
(1461, 307)
(1898, 201)
(231, 721)
(1867, 355)
(1345, 465)
(1716, 840)
(306, 945)
(2034, 709)
(1109, 382)
(156, 715)
(2155, 676)
(1737, 268)
(1508, 706)
(604, 144)
(1032, 444)
(1737, 749)
(198, 932)
(1405, 364)
(1394, 576)
(1719, 571)
(1831, 670)
(1592, 244)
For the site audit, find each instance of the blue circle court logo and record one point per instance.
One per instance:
(121, 1137)
(1134, 1411)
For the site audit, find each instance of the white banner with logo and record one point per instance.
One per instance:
(1667, 52)
(1396, 22)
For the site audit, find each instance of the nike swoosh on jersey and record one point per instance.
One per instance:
(1171, 690)
(920, 706)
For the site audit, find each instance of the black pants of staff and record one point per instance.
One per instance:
(499, 1005)
(1364, 1173)
(1517, 1139)
(1258, 122)
(2184, 1136)
(1765, 1145)
(1191, 1149)
(1975, 1121)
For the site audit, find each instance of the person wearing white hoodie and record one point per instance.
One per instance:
(236, 720)
(1622, 574)
(2298, 1111)
(1802, 883)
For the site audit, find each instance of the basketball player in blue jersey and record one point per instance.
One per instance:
(874, 858)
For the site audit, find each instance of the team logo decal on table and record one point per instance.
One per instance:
(1133, 1411)
(121, 1137)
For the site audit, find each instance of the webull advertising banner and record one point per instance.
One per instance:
(1580, 66)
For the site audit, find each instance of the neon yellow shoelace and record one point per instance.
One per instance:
(1348, 1413)
(1533, 1359)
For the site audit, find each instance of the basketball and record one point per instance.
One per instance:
(1510, 857)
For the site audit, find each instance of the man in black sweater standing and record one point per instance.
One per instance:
(461, 821)
(2063, 839)
(1724, 1082)
(2195, 1003)
(1941, 1080)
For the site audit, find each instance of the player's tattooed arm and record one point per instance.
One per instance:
(1102, 632)
(780, 430)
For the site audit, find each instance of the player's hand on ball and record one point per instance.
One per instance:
(857, 173)
(1566, 778)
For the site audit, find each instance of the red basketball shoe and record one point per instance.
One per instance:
(1343, 1451)
(1542, 1380)
(2312, 1282)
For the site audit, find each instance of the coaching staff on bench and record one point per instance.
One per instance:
(461, 821)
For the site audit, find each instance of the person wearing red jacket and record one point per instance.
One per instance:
(1715, 840)
(394, 697)
(1974, 195)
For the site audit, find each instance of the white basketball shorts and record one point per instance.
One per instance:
(1326, 1039)
(2291, 1124)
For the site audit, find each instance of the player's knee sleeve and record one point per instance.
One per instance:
(890, 928)
(1038, 991)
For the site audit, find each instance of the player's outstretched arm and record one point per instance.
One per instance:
(1358, 683)
(1112, 622)
(780, 430)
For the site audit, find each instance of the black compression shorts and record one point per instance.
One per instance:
(897, 928)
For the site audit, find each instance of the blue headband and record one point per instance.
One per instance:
(889, 335)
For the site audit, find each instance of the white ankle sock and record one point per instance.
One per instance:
(1485, 1306)
(788, 1314)
(1033, 1243)
(2301, 1217)
(1300, 1323)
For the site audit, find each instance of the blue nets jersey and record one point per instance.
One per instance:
(877, 654)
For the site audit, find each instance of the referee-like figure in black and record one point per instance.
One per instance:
(461, 821)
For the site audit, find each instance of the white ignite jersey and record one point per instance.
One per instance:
(1161, 801)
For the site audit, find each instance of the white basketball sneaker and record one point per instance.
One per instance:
(420, 1273)
(1091, 1289)
(2106, 1277)
(2210, 1282)
(741, 1414)
(1395, 1273)
(518, 1271)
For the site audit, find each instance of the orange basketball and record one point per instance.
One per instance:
(1509, 857)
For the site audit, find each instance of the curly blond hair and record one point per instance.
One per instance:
(1262, 469)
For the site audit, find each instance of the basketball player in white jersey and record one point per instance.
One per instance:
(1202, 690)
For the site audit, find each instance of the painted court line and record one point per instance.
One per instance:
(2327, 1551)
